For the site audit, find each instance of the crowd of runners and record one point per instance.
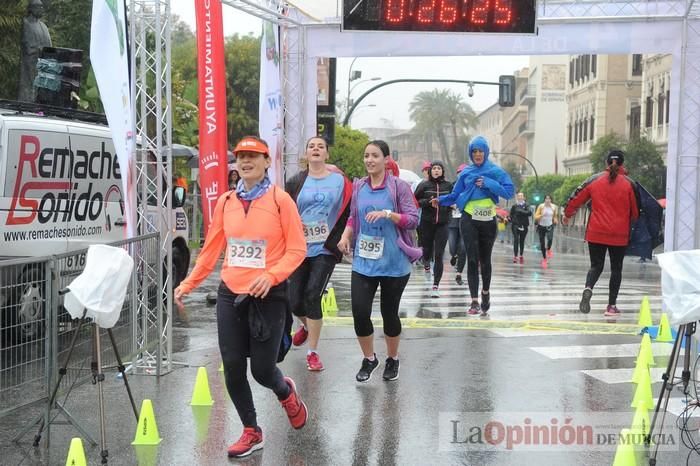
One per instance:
(280, 247)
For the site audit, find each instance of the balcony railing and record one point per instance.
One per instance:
(529, 92)
(527, 127)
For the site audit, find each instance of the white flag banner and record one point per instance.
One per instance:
(270, 112)
(110, 63)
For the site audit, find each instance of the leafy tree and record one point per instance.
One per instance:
(243, 85)
(11, 14)
(645, 165)
(439, 113)
(599, 150)
(347, 152)
(643, 161)
(548, 184)
(567, 188)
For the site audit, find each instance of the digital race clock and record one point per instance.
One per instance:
(506, 16)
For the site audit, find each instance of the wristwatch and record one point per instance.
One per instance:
(388, 213)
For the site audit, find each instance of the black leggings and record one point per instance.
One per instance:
(362, 291)
(549, 234)
(519, 240)
(307, 284)
(434, 242)
(478, 240)
(597, 254)
(236, 345)
(454, 237)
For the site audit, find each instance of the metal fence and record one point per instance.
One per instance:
(36, 331)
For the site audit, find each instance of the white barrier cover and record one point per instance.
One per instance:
(101, 288)
(680, 285)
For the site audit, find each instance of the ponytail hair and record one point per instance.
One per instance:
(614, 160)
(613, 168)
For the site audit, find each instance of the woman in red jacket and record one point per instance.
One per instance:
(614, 207)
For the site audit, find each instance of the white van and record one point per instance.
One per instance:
(60, 191)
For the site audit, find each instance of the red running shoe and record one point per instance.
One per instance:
(515, 259)
(313, 362)
(300, 336)
(296, 409)
(550, 254)
(612, 311)
(544, 263)
(522, 260)
(251, 440)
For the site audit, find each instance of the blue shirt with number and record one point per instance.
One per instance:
(320, 200)
(393, 262)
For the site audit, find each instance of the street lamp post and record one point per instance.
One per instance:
(350, 79)
(376, 78)
(364, 106)
(534, 170)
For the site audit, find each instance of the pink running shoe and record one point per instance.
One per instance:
(313, 362)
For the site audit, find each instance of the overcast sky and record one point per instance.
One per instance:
(391, 102)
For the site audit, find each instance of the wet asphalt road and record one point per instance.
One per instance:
(525, 359)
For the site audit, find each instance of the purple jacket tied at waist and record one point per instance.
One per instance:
(404, 204)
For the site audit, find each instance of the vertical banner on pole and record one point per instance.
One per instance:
(211, 73)
(110, 63)
(270, 115)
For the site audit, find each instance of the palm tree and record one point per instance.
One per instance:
(439, 113)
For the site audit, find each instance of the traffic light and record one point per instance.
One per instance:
(506, 90)
(537, 197)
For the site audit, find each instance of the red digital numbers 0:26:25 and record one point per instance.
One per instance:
(448, 12)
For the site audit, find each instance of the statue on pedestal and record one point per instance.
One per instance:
(35, 36)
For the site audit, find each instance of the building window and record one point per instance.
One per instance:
(571, 73)
(635, 121)
(584, 129)
(568, 135)
(587, 66)
(580, 130)
(649, 115)
(594, 62)
(668, 104)
(637, 64)
(661, 108)
(576, 133)
(591, 124)
(578, 69)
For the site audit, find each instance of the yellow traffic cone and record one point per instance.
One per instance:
(146, 455)
(324, 305)
(645, 314)
(201, 415)
(645, 352)
(624, 455)
(664, 334)
(332, 304)
(221, 367)
(76, 454)
(147, 429)
(642, 395)
(201, 396)
(641, 366)
(640, 422)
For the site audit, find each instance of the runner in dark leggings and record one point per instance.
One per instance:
(382, 213)
(433, 222)
(520, 221)
(476, 192)
(259, 228)
(323, 199)
(614, 206)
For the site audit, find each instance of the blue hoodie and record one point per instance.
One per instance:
(497, 182)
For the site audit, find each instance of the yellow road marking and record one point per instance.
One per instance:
(600, 328)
